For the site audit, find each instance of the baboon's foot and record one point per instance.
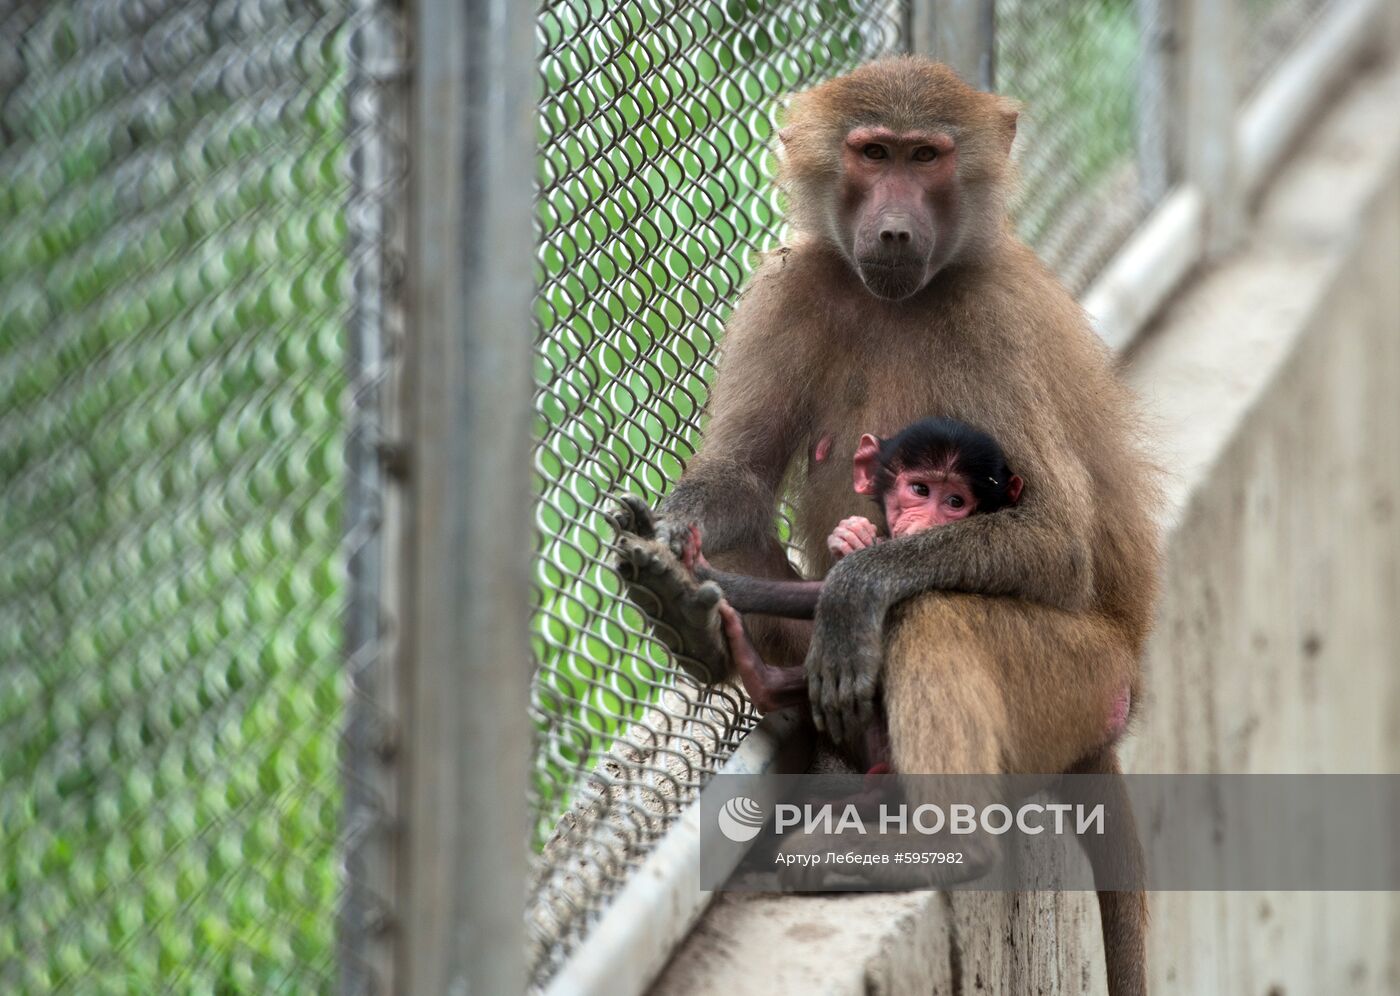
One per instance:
(683, 610)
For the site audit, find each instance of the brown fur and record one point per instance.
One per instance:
(1034, 618)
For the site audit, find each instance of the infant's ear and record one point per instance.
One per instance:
(1013, 488)
(865, 467)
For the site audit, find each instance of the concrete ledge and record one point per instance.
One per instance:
(1273, 384)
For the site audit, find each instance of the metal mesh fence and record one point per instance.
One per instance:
(1091, 141)
(1268, 32)
(654, 126)
(176, 286)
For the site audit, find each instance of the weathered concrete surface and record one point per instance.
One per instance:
(1273, 385)
(1277, 647)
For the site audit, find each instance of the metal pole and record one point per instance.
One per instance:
(1157, 31)
(375, 218)
(1207, 133)
(960, 33)
(466, 659)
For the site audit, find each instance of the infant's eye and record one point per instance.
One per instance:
(956, 501)
(919, 489)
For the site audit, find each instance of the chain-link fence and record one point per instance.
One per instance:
(177, 282)
(1268, 30)
(656, 120)
(1092, 137)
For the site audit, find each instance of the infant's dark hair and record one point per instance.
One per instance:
(955, 447)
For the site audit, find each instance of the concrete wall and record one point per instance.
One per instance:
(1278, 645)
(1273, 385)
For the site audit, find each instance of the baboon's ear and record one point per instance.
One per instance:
(785, 134)
(865, 467)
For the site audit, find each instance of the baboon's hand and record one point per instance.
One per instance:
(683, 610)
(633, 516)
(846, 653)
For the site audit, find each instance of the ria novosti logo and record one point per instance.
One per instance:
(741, 819)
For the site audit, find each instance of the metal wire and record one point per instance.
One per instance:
(654, 125)
(376, 155)
(1092, 139)
(175, 295)
(1270, 30)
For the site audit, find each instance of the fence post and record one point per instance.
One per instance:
(375, 221)
(960, 33)
(1158, 32)
(1210, 101)
(466, 657)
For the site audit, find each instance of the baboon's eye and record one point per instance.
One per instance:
(919, 489)
(956, 501)
(873, 151)
(925, 154)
